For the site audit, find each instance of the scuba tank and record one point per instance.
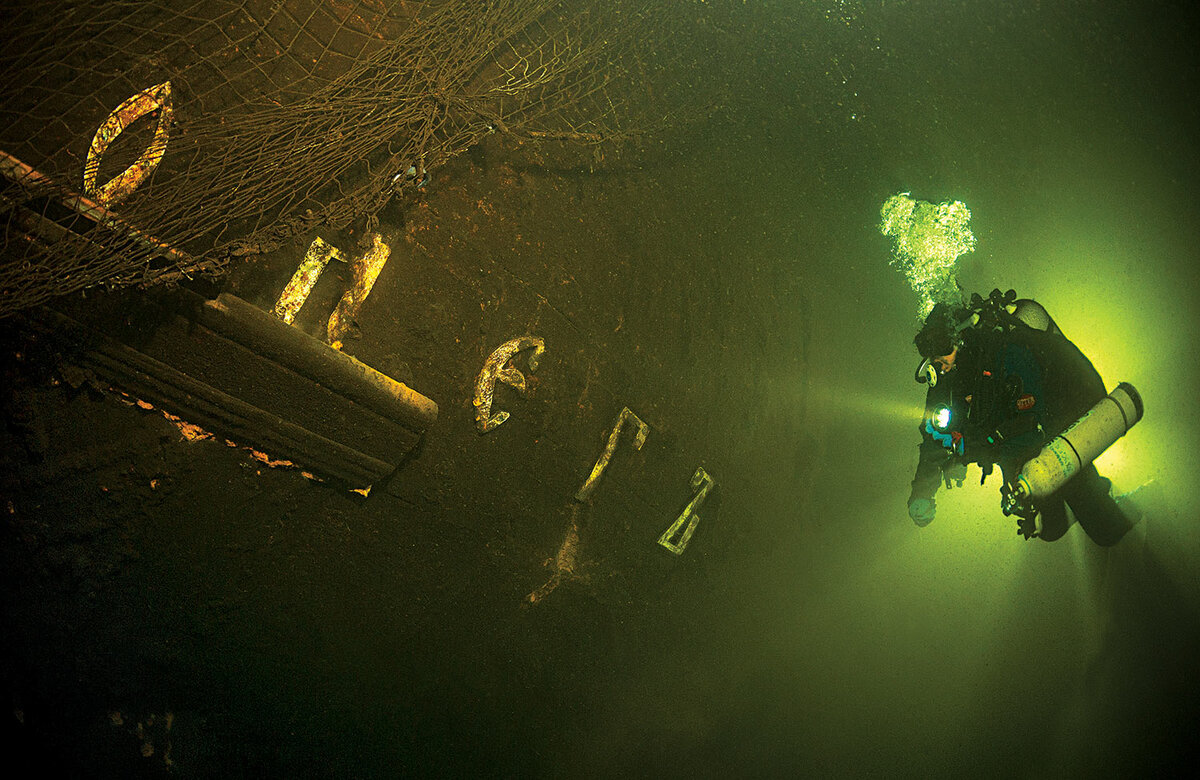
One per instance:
(1001, 311)
(1034, 315)
(1073, 449)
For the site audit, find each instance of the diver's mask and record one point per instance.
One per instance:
(927, 373)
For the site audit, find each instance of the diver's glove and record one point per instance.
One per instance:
(922, 510)
(1030, 526)
(951, 440)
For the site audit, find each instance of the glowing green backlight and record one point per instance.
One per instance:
(927, 240)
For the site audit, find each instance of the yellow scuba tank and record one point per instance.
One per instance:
(1069, 452)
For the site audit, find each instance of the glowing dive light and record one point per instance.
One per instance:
(941, 417)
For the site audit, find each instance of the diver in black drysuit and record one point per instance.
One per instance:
(1010, 389)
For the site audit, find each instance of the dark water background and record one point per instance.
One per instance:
(1069, 131)
(828, 636)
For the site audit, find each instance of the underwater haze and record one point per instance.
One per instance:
(960, 649)
(810, 628)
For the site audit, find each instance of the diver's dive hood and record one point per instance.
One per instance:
(999, 310)
(926, 371)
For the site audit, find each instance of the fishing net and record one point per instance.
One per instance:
(147, 142)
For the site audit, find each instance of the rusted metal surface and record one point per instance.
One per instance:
(242, 373)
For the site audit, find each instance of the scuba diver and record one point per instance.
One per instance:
(1004, 382)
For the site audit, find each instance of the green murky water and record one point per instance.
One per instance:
(737, 277)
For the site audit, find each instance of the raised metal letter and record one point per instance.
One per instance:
(494, 369)
(301, 284)
(585, 492)
(688, 515)
(118, 187)
(365, 270)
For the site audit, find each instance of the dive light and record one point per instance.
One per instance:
(942, 417)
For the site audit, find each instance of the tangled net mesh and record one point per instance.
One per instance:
(283, 115)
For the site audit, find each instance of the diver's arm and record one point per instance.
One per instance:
(933, 457)
(921, 503)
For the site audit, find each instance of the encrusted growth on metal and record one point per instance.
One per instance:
(496, 369)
